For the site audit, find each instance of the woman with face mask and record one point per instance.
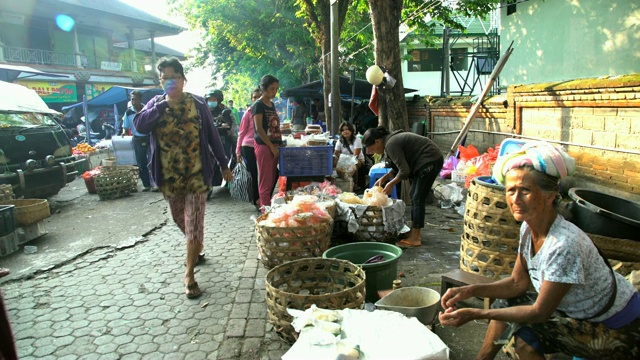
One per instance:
(182, 137)
(268, 137)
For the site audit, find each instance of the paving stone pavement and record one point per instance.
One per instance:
(129, 302)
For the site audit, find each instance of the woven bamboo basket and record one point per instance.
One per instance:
(371, 227)
(277, 245)
(114, 184)
(328, 283)
(489, 242)
(131, 168)
(29, 211)
(617, 249)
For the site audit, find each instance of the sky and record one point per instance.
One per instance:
(197, 79)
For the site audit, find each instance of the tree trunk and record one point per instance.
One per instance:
(385, 18)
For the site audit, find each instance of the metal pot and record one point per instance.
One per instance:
(607, 215)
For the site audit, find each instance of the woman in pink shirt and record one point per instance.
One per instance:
(245, 145)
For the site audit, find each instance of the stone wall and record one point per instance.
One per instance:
(596, 120)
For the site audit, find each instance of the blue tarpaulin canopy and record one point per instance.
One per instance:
(118, 95)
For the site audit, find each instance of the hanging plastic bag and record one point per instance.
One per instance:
(240, 186)
(449, 165)
(468, 153)
(347, 166)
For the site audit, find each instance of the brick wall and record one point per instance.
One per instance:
(596, 120)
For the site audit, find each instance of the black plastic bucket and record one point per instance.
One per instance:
(607, 215)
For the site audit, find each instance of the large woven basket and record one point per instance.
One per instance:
(328, 283)
(135, 174)
(277, 245)
(29, 211)
(489, 243)
(617, 249)
(371, 227)
(114, 184)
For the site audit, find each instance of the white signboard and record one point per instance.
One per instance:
(112, 66)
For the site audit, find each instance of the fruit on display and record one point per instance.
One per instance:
(83, 148)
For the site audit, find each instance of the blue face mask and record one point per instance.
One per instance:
(212, 104)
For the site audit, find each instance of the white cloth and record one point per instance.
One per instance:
(380, 334)
(357, 144)
(392, 216)
(568, 256)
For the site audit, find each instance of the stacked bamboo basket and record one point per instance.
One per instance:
(490, 236)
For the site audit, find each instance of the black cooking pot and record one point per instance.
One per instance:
(607, 215)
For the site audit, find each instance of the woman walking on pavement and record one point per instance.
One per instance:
(268, 137)
(412, 157)
(245, 148)
(182, 137)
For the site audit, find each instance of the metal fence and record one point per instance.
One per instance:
(44, 57)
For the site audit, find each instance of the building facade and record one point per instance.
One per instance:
(86, 45)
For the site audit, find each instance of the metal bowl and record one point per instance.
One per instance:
(418, 302)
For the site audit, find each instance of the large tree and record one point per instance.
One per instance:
(317, 15)
(244, 40)
(386, 16)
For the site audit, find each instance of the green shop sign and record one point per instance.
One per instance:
(53, 91)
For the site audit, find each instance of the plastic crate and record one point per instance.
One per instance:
(8, 244)
(306, 161)
(7, 220)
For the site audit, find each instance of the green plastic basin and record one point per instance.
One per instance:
(379, 276)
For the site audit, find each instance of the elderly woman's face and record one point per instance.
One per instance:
(526, 200)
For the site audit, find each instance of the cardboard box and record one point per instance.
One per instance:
(345, 185)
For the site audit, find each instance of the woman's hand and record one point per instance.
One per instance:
(456, 317)
(452, 296)
(380, 182)
(239, 158)
(388, 189)
(276, 152)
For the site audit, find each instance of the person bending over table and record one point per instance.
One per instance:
(580, 306)
(412, 157)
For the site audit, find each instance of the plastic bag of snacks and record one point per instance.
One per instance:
(376, 197)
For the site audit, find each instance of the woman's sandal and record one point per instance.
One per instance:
(4, 272)
(192, 290)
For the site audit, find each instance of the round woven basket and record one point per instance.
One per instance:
(617, 249)
(490, 235)
(328, 283)
(114, 184)
(135, 174)
(278, 245)
(371, 227)
(29, 211)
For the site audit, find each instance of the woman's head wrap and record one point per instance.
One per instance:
(543, 156)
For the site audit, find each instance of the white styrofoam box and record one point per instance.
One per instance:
(458, 176)
(30, 232)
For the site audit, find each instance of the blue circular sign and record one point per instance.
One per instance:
(20, 138)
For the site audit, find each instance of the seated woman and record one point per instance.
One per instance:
(350, 144)
(580, 306)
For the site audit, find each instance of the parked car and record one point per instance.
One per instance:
(35, 152)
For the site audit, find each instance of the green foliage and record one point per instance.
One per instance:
(421, 17)
(245, 40)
